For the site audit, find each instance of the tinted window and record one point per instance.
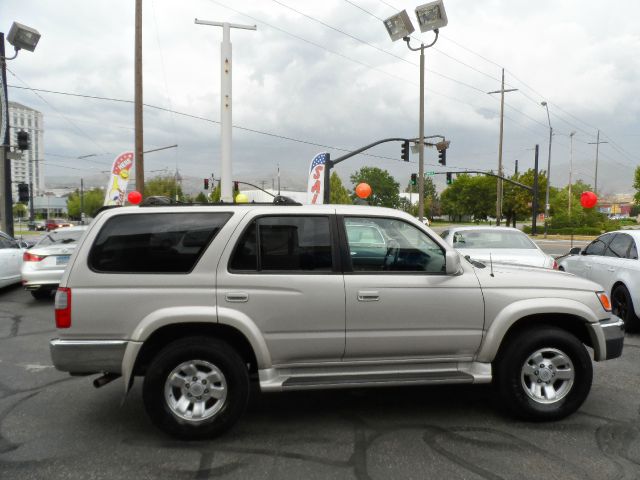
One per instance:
(633, 252)
(155, 242)
(399, 247)
(287, 243)
(597, 247)
(619, 246)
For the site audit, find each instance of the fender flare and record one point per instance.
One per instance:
(515, 311)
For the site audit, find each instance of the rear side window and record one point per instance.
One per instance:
(154, 242)
(287, 243)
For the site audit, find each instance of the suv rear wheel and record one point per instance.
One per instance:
(196, 388)
(544, 374)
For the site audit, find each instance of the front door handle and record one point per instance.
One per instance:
(587, 265)
(237, 297)
(611, 269)
(368, 296)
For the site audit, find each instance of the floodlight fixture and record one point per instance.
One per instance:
(23, 37)
(431, 16)
(399, 25)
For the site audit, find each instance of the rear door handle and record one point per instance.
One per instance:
(368, 296)
(611, 269)
(237, 297)
(587, 265)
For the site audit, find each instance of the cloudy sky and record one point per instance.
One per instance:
(324, 76)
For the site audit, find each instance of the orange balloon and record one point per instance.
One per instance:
(363, 190)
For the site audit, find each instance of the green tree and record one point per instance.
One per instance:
(19, 210)
(93, 200)
(470, 196)
(517, 202)
(201, 198)
(164, 186)
(338, 194)
(431, 200)
(383, 186)
(215, 194)
(636, 185)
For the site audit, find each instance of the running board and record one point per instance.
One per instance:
(374, 380)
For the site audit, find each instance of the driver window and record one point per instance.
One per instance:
(391, 245)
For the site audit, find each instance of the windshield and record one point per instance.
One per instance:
(58, 237)
(493, 239)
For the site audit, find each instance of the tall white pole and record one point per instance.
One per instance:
(226, 176)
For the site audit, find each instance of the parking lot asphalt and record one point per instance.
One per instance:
(54, 426)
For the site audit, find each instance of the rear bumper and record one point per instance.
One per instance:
(88, 356)
(35, 279)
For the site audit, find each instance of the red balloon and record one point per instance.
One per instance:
(588, 199)
(363, 190)
(134, 197)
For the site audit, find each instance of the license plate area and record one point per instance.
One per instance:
(62, 259)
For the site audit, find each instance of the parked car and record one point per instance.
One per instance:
(202, 300)
(10, 259)
(53, 223)
(504, 244)
(612, 261)
(37, 225)
(44, 264)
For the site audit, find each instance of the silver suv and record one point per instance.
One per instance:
(203, 300)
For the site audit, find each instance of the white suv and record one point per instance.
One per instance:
(202, 300)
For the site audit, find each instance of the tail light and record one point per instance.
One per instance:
(31, 257)
(555, 265)
(63, 307)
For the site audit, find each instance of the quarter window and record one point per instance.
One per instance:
(155, 242)
(619, 246)
(391, 245)
(286, 243)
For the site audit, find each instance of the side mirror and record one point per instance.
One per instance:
(23, 244)
(452, 262)
(574, 251)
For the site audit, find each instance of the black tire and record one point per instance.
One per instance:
(203, 350)
(41, 294)
(622, 306)
(511, 377)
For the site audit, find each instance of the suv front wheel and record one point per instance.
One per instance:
(196, 388)
(544, 374)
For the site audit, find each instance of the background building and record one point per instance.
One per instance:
(30, 168)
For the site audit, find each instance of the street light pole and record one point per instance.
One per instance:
(226, 185)
(546, 201)
(502, 91)
(137, 100)
(421, 123)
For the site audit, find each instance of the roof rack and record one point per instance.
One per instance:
(160, 201)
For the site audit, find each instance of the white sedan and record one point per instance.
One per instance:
(10, 259)
(44, 264)
(499, 245)
(612, 261)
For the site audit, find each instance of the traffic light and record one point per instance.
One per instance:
(206, 184)
(404, 151)
(236, 188)
(414, 179)
(23, 192)
(23, 140)
(449, 179)
(442, 156)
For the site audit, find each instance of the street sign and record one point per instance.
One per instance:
(429, 173)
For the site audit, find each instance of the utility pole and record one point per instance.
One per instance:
(516, 172)
(139, 144)
(226, 182)
(502, 91)
(546, 201)
(570, 168)
(6, 193)
(597, 144)
(534, 202)
(82, 201)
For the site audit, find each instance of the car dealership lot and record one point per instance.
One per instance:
(55, 426)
